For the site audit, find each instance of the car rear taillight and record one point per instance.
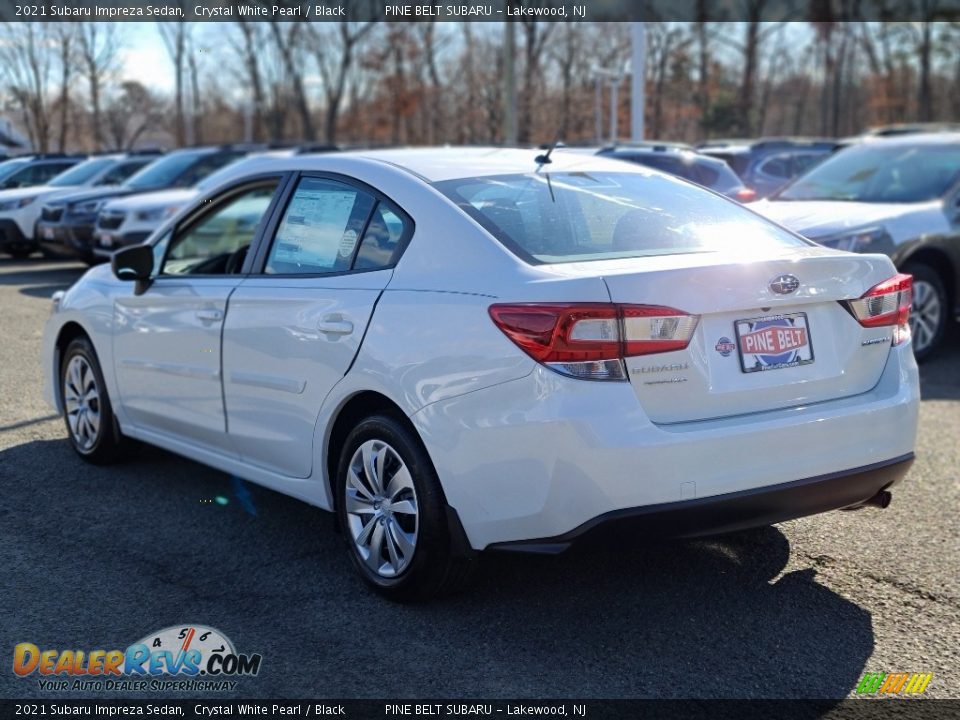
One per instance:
(746, 195)
(590, 340)
(886, 304)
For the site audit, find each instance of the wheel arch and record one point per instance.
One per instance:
(69, 331)
(353, 409)
(940, 262)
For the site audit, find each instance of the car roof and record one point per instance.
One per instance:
(931, 138)
(446, 163)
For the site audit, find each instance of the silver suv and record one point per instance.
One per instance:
(899, 196)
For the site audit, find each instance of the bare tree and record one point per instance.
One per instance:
(174, 35)
(131, 113)
(335, 52)
(26, 63)
(289, 46)
(98, 48)
(64, 35)
(251, 63)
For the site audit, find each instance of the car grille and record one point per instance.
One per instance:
(51, 214)
(110, 220)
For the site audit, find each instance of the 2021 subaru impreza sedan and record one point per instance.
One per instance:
(467, 349)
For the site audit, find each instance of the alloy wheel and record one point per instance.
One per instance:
(381, 508)
(81, 396)
(924, 315)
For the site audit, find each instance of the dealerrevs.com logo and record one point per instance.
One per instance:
(181, 657)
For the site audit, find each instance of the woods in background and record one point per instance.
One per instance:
(358, 82)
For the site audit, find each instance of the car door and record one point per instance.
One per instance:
(294, 327)
(167, 339)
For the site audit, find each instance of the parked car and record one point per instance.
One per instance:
(20, 208)
(66, 221)
(897, 196)
(767, 165)
(130, 219)
(29, 170)
(465, 349)
(685, 163)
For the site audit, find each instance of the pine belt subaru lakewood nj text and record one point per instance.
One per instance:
(468, 349)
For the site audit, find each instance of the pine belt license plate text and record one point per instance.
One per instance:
(774, 342)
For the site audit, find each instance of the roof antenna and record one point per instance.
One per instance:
(545, 158)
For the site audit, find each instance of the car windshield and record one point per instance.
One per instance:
(876, 173)
(570, 217)
(164, 172)
(80, 174)
(9, 167)
(215, 178)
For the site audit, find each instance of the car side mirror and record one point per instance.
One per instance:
(134, 263)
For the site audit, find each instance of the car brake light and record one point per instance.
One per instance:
(591, 340)
(886, 304)
(746, 194)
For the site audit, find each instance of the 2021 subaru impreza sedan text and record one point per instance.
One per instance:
(465, 349)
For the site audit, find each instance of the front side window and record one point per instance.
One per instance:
(576, 216)
(217, 243)
(320, 229)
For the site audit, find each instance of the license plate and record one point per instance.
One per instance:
(106, 240)
(47, 233)
(774, 342)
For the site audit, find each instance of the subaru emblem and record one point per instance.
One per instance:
(784, 284)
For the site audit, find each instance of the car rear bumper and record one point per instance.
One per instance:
(546, 456)
(735, 511)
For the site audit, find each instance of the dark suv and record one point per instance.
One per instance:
(66, 221)
(78, 212)
(683, 161)
(767, 165)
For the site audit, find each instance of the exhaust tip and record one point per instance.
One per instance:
(881, 500)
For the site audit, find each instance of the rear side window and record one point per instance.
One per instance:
(381, 238)
(777, 166)
(570, 217)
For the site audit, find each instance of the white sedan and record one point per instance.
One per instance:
(469, 349)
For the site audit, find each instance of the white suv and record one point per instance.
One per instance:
(20, 208)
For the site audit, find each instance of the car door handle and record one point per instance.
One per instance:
(209, 315)
(335, 327)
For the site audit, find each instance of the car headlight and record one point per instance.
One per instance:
(87, 208)
(156, 214)
(859, 241)
(16, 204)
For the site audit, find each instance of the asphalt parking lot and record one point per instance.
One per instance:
(100, 557)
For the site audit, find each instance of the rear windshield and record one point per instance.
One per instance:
(571, 217)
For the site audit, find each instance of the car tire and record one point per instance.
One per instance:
(396, 525)
(87, 413)
(20, 253)
(49, 254)
(928, 316)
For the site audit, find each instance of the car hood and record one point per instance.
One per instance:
(34, 191)
(100, 193)
(148, 201)
(824, 218)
